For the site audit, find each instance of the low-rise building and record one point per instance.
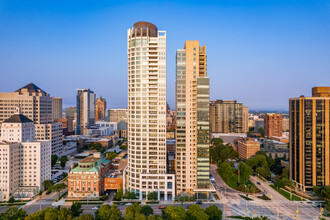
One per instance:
(276, 149)
(247, 147)
(87, 179)
(229, 138)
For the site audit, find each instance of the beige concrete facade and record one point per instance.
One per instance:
(24, 162)
(117, 115)
(37, 105)
(247, 148)
(192, 111)
(86, 105)
(146, 53)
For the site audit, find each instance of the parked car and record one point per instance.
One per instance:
(162, 207)
(128, 204)
(96, 207)
(199, 202)
(258, 183)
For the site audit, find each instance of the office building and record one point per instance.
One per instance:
(226, 116)
(85, 110)
(101, 106)
(25, 161)
(276, 149)
(70, 112)
(245, 119)
(273, 125)
(309, 139)
(117, 115)
(146, 170)
(192, 122)
(247, 147)
(36, 105)
(56, 108)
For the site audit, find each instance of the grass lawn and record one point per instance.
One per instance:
(286, 194)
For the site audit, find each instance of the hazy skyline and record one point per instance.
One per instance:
(260, 53)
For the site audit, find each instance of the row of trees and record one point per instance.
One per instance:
(133, 212)
(49, 213)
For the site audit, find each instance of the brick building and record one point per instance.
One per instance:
(87, 179)
(273, 125)
(247, 147)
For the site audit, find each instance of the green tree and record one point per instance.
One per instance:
(47, 184)
(147, 210)
(11, 200)
(197, 213)
(214, 212)
(261, 131)
(54, 159)
(226, 170)
(263, 172)
(153, 196)
(86, 217)
(63, 161)
(119, 195)
(111, 155)
(154, 217)
(245, 171)
(63, 214)
(76, 209)
(174, 213)
(58, 188)
(106, 212)
(13, 213)
(130, 195)
(132, 212)
(96, 146)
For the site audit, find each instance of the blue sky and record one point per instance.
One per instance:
(260, 53)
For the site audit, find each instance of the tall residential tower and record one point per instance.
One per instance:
(310, 139)
(192, 126)
(146, 171)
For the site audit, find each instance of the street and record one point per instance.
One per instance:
(278, 207)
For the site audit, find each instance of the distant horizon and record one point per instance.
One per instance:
(260, 53)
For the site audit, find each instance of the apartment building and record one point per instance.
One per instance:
(24, 161)
(146, 170)
(310, 139)
(245, 119)
(37, 105)
(226, 116)
(273, 125)
(192, 122)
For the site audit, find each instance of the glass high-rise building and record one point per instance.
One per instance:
(146, 170)
(192, 127)
(85, 110)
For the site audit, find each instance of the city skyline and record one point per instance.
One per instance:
(282, 56)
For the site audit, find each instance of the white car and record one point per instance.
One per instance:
(128, 204)
(96, 207)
